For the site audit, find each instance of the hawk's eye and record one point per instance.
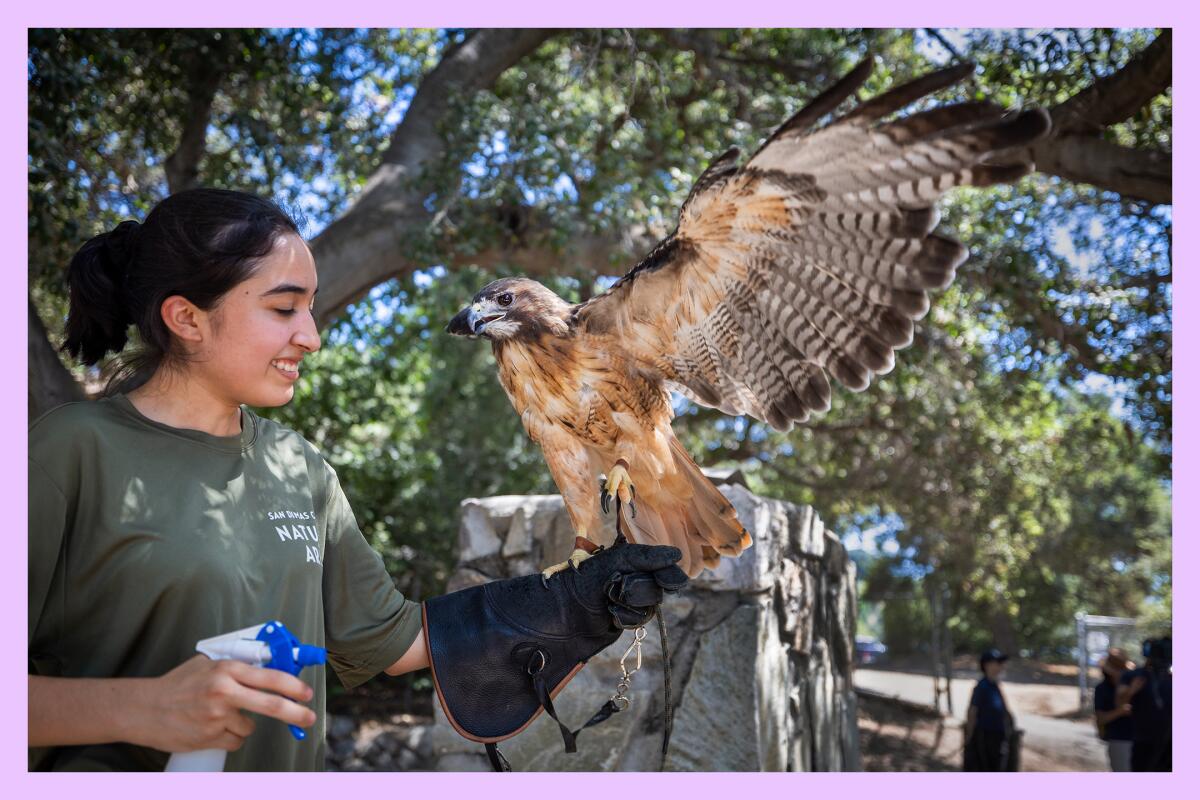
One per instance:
(505, 299)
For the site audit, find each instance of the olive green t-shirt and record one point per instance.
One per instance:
(144, 539)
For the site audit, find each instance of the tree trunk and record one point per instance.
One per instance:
(183, 165)
(1004, 634)
(50, 384)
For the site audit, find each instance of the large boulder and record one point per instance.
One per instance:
(761, 651)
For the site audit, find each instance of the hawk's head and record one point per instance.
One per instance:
(512, 308)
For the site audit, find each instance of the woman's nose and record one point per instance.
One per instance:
(308, 337)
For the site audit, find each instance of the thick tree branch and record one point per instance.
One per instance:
(1075, 149)
(1130, 172)
(183, 165)
(373, 240)
(1117, 97)
(590, 254)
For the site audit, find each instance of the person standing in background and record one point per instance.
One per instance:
(1114, 721)
(989, 724)
(1148, 691)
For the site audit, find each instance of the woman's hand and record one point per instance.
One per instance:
(199, 705)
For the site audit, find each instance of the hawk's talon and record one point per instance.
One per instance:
(578, 555)
(618, 480)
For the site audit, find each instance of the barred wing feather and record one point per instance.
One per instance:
(815, 257)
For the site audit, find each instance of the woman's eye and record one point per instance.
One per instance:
(287, 312)
(505, 299)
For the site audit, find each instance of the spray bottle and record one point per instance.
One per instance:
(267, 645)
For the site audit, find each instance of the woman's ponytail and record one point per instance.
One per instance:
(99, 314)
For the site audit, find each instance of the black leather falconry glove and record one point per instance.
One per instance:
(499, 652)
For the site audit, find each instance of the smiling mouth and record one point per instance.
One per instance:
(290, 369)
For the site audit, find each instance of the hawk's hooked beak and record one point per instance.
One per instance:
(469, 322)
(463, 323)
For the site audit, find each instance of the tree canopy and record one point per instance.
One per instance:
(1020, 451)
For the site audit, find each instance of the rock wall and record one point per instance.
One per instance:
(761, 652)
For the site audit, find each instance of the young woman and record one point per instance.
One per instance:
(168, 512)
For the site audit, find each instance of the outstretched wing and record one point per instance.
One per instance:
(814, 257)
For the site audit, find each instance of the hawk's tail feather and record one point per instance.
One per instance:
(650, 527)
(685, 510)
(709, 519)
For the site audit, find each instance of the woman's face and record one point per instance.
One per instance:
(262, 329)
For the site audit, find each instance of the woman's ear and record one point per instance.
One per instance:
(184, 319)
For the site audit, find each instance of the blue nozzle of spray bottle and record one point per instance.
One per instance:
(289, 655)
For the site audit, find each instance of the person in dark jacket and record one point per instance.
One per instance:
(1114, 721)
(1147, 690)
(989, 730)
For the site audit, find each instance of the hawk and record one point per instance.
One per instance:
(811, 260)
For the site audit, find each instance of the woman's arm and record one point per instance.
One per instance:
(1126, 691)
(1105, 717)
(415, 658)
(66, 711)
(196, 706)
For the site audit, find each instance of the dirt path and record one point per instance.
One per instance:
(1055, 739)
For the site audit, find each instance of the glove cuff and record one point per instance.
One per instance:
(484, 667)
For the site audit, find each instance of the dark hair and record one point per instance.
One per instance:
(198, 244)
(1157, 651)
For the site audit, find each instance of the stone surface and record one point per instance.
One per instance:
(761, 651)
(388, 744)
(476, 537)
(748, 742)
(464, 762)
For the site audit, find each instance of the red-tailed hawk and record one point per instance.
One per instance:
(810, 260)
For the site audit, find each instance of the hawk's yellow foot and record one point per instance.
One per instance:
(618, 485)
(573, 561)
(584, 549)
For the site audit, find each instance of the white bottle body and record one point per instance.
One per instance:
(241, 646)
